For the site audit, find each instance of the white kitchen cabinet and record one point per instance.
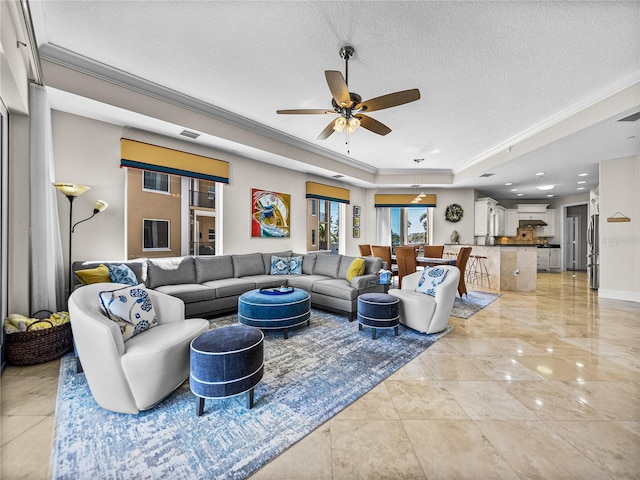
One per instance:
(500, 221)
(554, 259)
(511, 222)
(550, 229)
(543, 259)
(484, 217)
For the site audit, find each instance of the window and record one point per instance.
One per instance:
(411, 225)
(323, 225)
(156, 234)
(155, 182)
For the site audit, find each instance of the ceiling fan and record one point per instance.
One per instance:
(350, 107)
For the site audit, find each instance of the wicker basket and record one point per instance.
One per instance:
(38, 346)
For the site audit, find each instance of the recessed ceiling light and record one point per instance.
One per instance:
(508, 183)
(581, 182)
(583, 174)
(435, 150)
(520, 194)
(514, 189)
(539, 174)
(580, 188)
(545, 187)
(550, 195)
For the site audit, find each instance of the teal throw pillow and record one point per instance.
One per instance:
(120, 273)
(295, 265)
(430, 280)
(279, 265)
(130, 308)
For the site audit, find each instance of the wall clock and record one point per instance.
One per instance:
(453, 213)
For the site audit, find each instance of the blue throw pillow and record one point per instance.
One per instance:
(279, 265)
(295, 265)
(430, 280)
(130, 308)
(120, 273)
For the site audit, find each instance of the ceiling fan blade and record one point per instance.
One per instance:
(338, 87)
(373, 125)
(305, 111)
(390, 100)
(327, 131)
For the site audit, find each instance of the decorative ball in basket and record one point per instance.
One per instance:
(33, 340)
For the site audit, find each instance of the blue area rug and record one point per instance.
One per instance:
(309, 378)
(472, 303)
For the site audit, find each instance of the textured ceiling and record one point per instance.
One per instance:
(490, 74)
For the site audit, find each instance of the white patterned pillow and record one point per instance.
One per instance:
(130, 308)
(279, 265)
(295, 265)
(430, 280)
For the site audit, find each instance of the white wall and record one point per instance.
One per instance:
(620, 241)
(88, 152)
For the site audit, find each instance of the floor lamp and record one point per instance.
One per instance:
(71, 191)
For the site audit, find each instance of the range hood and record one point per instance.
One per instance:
(532, 223)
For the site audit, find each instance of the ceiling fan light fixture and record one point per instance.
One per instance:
(339, 124)
(353, 124)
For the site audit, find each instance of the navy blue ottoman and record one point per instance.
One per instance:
(270, 309)
(226, 361)
(378, 310)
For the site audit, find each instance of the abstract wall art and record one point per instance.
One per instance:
(270, 214)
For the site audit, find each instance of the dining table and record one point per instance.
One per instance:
(430, 261)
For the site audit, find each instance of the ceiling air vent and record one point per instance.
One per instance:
(631, 118)
(188, 134)
(484, 175)
(338, 176)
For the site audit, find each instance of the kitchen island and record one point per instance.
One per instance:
(511, 267)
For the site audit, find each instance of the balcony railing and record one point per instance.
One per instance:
(202, 199)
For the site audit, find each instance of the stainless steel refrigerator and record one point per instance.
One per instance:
(593, 252)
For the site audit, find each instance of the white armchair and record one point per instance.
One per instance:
(423, 312)
(132, 376)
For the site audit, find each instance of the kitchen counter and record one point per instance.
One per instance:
(511, 267)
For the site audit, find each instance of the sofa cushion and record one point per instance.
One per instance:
(327, 265)
(308, 264)
(430, 280)
(372, 265)
(279, 265)
(304, 282)
(229, 287)
(212, 267)
(189, 292)
(265, 281)
(335, 287)
(170, 271)
(130, 308)
(121, 273)
(99, 274)
(266, 258)
(248, 264)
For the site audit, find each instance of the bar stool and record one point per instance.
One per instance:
(477, 270)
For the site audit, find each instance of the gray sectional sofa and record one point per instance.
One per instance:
(211, 285)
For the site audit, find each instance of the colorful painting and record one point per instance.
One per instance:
(270, 214)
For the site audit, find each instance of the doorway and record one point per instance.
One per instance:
(575, 238)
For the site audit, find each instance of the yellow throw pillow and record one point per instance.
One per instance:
(356, 268)
(94, 275)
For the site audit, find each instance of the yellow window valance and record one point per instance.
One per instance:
(403, 200)
(327, 192)
(144, 156)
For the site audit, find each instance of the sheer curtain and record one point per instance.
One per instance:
(383, 226)
(47, 270)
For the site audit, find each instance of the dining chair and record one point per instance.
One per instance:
(461, 263)
(384, 252)
(365, 250)
(433, 251)
(407, 263)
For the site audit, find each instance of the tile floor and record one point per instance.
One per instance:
(542, 385)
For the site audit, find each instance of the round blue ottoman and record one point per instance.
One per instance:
(270, 309)
(378, 310)
(226, 361)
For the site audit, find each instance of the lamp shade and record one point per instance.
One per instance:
(71, 189)
(100, 206)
